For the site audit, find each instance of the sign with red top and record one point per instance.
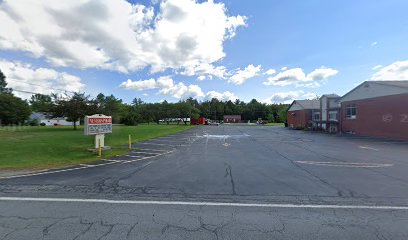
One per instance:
(97, 124)
(99, 120)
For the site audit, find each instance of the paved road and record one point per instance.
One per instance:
(220, 182)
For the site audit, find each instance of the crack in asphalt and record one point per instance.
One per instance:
(131, 229)
(228, 173)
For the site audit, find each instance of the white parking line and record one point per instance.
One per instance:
(56, 171)
(84, 166)
(213, 204)
(158, 150)
(347, 164)
(370, 148)
(139, 156)
(144, 153)
(111, 160)
(143, 158)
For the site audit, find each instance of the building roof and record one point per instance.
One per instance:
(333, 95)
(38, 116)
(384, 88)
(402, 84)
(306, 104)
(309, 104)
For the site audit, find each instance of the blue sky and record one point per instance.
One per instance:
(155, 49)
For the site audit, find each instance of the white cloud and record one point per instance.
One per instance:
(321, 73)
(377, 67)
(395, 71)
(373, 44)
(25, 77)
(145, 94)
(270, 72)
(201, 78)
(166, 86)
(139, 85)
(222, 96)
(296, 76)
(206, 70)
(288, 97)
(240, 76)
(287, 77)
(284, 68)
(118, 35)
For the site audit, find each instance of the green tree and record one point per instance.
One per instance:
(283, 113)
(132, 116)
(3, 84)
(111, 106)
(41, 103)
(13, 110)
(74, 107)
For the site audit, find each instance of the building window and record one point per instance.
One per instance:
(316, 116)
(351, 112)
(332, 116)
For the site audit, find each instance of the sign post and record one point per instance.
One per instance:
(98, 125)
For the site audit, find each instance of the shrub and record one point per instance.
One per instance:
(33, 122)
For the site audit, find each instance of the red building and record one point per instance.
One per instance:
(376, 108)
(232, 118)
(199, 121)
(302, 113)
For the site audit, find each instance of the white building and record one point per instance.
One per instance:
(58, 122)
(42, 118)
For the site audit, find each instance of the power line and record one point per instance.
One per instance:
(23, 91)
(38, 85)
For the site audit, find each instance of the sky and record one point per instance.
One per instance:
(270, 50)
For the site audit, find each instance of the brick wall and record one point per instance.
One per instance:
(378, 117)
(299, 118)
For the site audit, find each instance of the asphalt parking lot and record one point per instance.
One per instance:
(220, 182)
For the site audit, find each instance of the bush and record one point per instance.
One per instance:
(42, 124)
(33, 122)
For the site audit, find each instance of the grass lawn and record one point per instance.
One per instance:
(47, 147)
(275, 124)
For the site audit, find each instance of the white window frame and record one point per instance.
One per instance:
(335, 113)
(314, 114)
(349, 108)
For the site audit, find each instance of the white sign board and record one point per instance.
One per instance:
(97, 124)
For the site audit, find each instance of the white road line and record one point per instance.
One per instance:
(214, 204)
(88, 165)
(143, 153)
(346, 164)
(56, 171)
(143, 158)
(83, 166)
(370, 148)
(158, 150)
(139, 156)
(111, 160)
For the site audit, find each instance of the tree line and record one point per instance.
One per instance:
(74, 106)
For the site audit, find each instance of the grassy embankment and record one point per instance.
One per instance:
(275, 124)
(256, 125)
(48, 147)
